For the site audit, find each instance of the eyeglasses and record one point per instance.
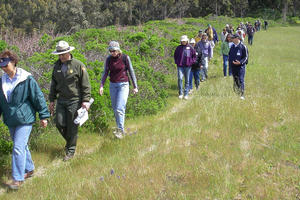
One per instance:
(112, 51)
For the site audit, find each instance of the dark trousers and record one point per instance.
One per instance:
(195, 73)
(250, 39)
(238, 74)
(66, 112)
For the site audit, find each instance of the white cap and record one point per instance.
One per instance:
(184, 38)
(192, 41)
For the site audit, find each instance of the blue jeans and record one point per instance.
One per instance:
(225, 64)
(118, 95)
(196, 74)
(183, 71)
(21, 157)
(204, 69)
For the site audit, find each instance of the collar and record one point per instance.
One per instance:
(235, 45)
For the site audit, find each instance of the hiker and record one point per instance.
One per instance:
(266, 24)
(230, 29)
(225, 51)
(250, 33)
(212, 37)
(205, 47)
(238, 58)
(184, 57)
(223, 35)
(241, 34)
(70, 87)
(199, 36)
(20, 99)
(256, 25)
(192, 43)
(118, 65)
(259, 24)
(196, 68)
(212, 34)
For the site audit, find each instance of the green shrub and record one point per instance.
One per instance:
(137, 37)
(3, 45)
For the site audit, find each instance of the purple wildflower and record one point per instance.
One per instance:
(112, 171)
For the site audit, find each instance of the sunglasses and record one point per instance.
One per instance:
(112, 51)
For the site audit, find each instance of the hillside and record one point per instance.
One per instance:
(213, 146)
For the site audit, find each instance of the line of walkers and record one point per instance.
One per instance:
(21, 98)
(192, 57)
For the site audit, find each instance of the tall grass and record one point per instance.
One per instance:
(213, 146)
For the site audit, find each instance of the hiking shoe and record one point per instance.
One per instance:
(118, 133)
(242, 98)
(180, 96)
(186, 97)
(68, 156)
(14, 185)
(28, 174)
(191, 91)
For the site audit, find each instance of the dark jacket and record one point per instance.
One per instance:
(239, 53)
(200, 61)
(250, 30)
(26, 99)
(72, 87)
(184, 55)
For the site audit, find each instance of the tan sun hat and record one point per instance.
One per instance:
(62, 47)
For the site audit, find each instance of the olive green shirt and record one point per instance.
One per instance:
(72, 86)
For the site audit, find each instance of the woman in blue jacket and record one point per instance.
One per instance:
(20, 99)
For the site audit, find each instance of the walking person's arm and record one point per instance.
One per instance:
(104, 76)
(132, 76)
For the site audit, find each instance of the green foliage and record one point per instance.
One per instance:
(137, 37)
(45, 39)
(3, 45)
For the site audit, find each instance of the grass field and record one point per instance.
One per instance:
(213, 146)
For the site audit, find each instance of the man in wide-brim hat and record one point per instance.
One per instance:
(70, 87)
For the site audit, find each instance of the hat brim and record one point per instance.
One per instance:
(184, 40)
(114, 49)
(4, 63)
(62, 52)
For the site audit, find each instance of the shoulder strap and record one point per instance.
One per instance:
(125, 61)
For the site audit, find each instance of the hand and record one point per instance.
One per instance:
(51, 107)
(101, 91)
(201, 66)
(44, 123)
(85, 105)
(236, 62)
(135, 90)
